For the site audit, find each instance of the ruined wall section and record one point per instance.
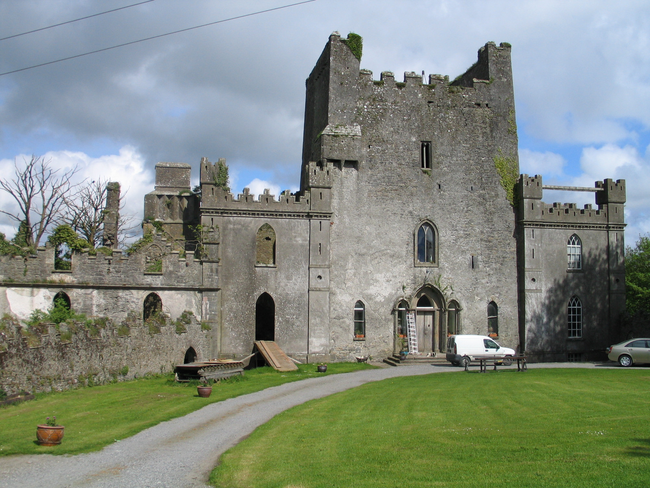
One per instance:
(382, 191)
(546, 282)
(172, 204)
(53, 358)
(103, 285)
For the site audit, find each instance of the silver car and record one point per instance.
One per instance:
(630, 352)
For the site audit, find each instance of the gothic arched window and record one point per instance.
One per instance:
(426, 252)
(574, 252)
(265, 246)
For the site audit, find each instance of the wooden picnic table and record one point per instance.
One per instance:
(498, 361)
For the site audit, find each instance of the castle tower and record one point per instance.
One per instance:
(401, 156)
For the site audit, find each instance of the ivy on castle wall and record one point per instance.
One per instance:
(355, 43)
(508, 170)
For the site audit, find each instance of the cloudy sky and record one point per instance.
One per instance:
(235, 89)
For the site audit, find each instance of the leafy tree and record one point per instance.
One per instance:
(637, 276)
(66, 241)
(41, 194)
(8, 247)
(221, 176)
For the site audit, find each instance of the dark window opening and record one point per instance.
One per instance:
(453, 318)
(152, 306)
(493, 319)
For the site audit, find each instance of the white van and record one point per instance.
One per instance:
(461, 347)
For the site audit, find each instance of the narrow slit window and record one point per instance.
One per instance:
(359, 320)
(425, 155)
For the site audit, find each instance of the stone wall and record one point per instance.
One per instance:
(50, 358)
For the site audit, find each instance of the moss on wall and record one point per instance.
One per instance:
(508, 170)
(355, 43)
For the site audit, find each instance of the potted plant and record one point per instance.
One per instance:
(49, 433)
(322, 368)
(204, 389)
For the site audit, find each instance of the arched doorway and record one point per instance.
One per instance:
(190, 356)
(428, 321)
(265, 318)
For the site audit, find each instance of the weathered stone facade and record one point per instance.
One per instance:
(407, 205)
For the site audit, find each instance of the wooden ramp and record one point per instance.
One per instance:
(275, 356)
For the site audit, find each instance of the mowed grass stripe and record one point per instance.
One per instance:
(550, 428)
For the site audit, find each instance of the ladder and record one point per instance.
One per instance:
(412, 334)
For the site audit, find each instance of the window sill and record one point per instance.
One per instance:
(359, 338)
(259, 265)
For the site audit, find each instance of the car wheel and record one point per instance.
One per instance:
(507, 361)
(625, 360)
(465, 361)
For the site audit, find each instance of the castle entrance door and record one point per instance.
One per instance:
(265, 318)
(427, 321)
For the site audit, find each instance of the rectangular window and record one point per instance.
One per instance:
(359, 321)
(425, 155)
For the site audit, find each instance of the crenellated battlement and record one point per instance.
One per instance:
(215, 200)
(154, 265)
(609, 197)
(612, 191)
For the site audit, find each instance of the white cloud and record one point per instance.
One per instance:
(538, 163)
(610, 159)
(127, 168)
(258, 186)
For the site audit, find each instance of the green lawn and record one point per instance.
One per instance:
(98, 416)
(543, 428)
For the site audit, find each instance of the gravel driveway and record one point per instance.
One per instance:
(181, 453)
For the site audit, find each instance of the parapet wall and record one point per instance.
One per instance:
(116, 269)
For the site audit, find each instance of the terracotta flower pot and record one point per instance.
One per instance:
(204, 391)
(49, 435)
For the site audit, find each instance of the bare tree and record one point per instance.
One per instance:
(41, 194)
(88, 210)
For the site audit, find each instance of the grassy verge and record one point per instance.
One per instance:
(98, 416)
(551, 428)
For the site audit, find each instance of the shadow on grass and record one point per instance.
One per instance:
(640, 450)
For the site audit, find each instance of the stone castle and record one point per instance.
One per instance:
(411, 206)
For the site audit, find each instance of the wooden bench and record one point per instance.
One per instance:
(497, 361)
